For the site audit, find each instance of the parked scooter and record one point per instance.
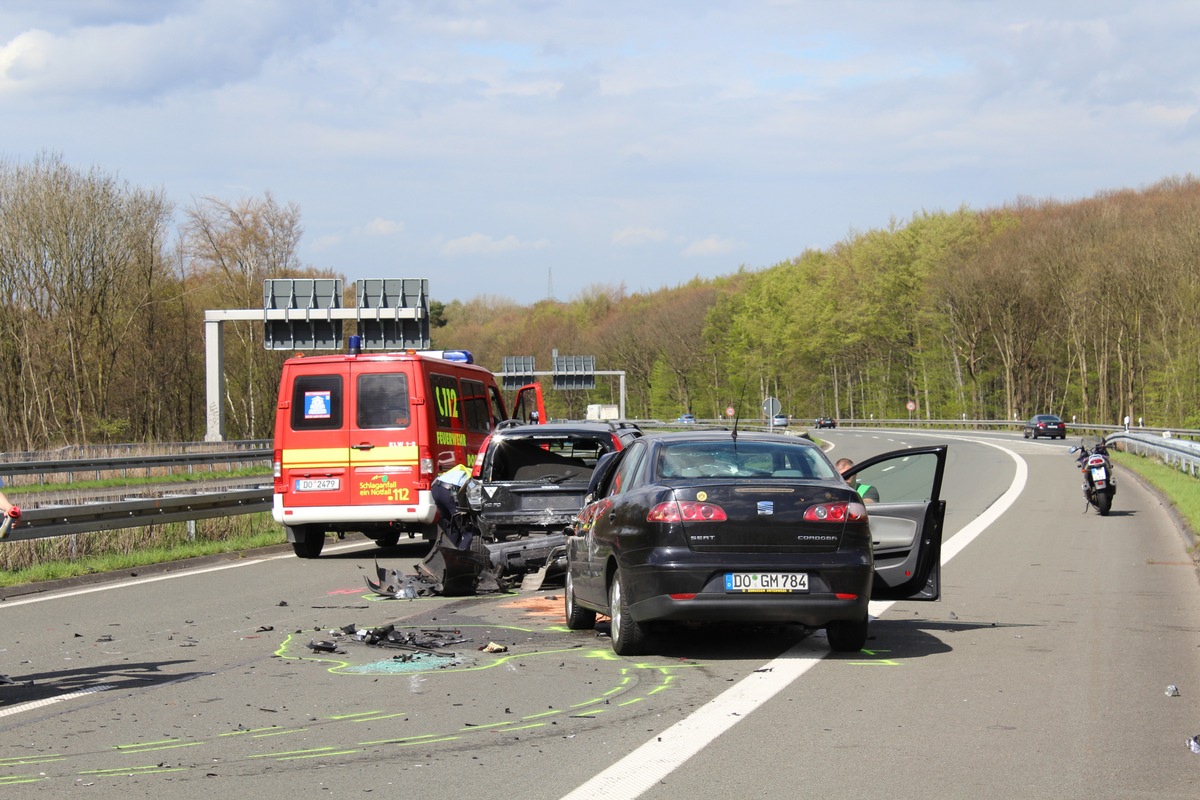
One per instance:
(1099, 483)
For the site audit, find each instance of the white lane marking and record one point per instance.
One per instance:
(51, 700)
(647, 765)
(166, 576)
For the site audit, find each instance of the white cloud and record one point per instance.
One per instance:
(383, 227)
(632, 237)
(482, 244)
(327, 242)
(610, 126)
(709, 246)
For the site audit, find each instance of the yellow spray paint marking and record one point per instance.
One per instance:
(151, 747)
(315, 751)
(430, 741)
(879, 662)
(321, 755)
(146, 769)
(44, 759)
(259, 733)
(416, 739)
(542, 714)
(627, 677)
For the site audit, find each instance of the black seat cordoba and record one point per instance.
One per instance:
(725, 526)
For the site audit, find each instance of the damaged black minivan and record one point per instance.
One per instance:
(533, 478)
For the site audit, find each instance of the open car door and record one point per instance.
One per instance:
(529, 402)
(906, 521)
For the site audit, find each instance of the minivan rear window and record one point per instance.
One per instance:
(382, 400)
(317, 402)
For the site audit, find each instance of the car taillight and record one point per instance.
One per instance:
(836, 512)
(687, 511)
(280, 486)
(425, 464)
(477, 467)
(1096, 461)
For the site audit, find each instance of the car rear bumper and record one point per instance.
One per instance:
(814, 610)
(839, 589)
(422, 511)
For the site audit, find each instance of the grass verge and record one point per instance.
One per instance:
(76, 555)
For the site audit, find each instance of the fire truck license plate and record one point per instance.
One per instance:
(318, 484)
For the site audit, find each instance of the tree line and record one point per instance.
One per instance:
(1086, 308)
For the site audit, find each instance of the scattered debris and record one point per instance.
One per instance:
(452, 571)
(265, 628)
(391, 583)
(1194, 743)
(1172, 691)
(492, 647)
(322, 647)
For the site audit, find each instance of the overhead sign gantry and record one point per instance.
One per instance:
(307, 314)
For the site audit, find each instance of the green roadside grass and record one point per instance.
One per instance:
(78, 555)
(1181, 490)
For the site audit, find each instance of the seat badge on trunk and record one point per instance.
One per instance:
(766, 507)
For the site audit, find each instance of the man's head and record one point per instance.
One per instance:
(843, 464)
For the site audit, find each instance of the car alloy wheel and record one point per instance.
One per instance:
(628, 637)
(578, 618)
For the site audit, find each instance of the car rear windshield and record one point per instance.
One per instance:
(742, 460)
(563, 456)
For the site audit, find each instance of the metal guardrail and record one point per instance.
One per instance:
(61, 520)
(1179, 453)
(123, 464)
(42, 523)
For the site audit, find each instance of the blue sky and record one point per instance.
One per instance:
(519, 149)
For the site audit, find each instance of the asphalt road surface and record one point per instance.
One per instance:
(1042, 673)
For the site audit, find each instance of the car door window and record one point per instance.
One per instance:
(909, 479)
(623, 478)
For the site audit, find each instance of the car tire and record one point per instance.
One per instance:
(578, 617)
(309, 541)
(628, 637)
(847, 636)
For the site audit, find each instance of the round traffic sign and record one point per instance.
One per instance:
(729, 412)
(770, 407)
(910, 405)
